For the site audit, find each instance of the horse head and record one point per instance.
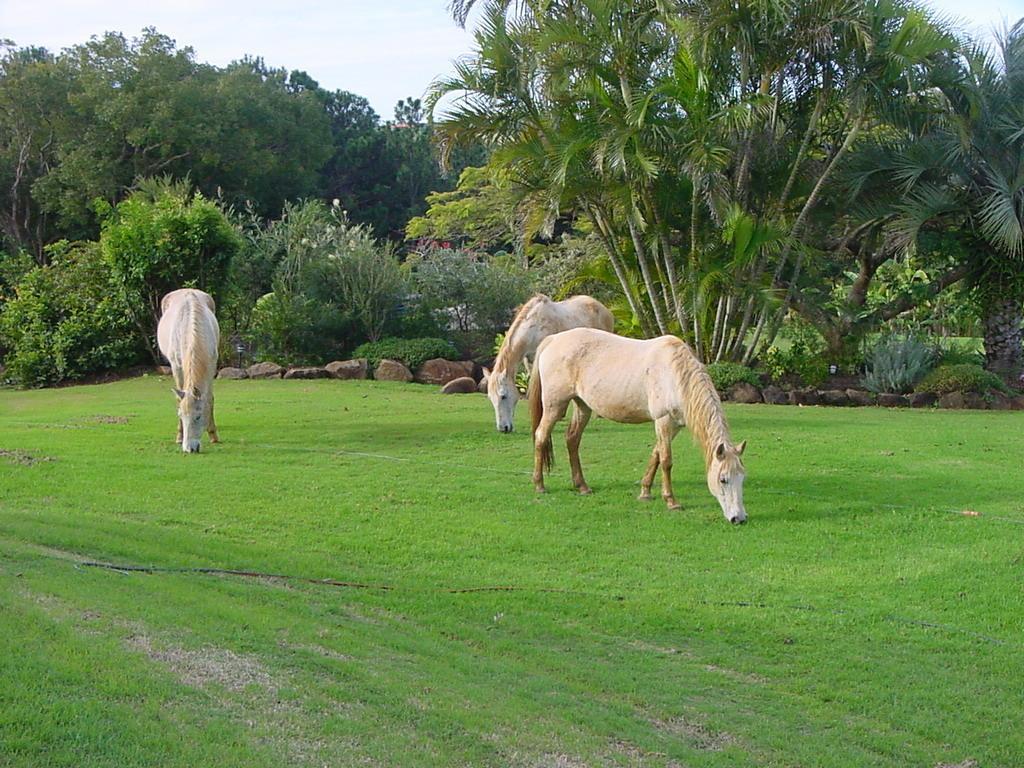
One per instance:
(725, 481)
(503, 394)
(192, 411)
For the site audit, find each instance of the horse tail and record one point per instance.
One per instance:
(536, 395)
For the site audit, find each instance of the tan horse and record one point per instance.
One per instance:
(188, 336)
(633, 381)
(535, 321)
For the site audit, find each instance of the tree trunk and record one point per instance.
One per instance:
(1004, 354)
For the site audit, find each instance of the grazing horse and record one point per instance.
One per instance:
(633, 381)
(188, 336)
(536, 320)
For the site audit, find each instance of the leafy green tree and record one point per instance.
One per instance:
(31, 94)
(479, 213)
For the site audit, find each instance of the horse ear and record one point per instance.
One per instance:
(487, 373)
(741, 448)
(177, 392)
(720, 451)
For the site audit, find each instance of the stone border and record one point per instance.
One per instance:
(773, 395)
(444, 373)
(437, 371)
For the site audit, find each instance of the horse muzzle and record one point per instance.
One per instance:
(739, 519)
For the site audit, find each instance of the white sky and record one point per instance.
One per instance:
(384, 50)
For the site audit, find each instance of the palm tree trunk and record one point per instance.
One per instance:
(1004, 353)
(608, 237)
(645, 271)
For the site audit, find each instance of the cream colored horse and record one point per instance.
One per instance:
(188, 336)
(536, 320)
(634, 381)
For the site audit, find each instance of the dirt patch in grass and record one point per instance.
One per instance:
(970, 762)
(22, 458)
(103, 419)
(550, 760)
(201, 667)
(742, 677)
(317, 649)
(640, 757)
(698, 736)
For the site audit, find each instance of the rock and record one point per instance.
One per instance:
(441, 371)
(835, 397)
(1000, 402)
(163, 370)
(743, 392)
(232, 373)
(265, 371)
(923, 399)
(975, 402)
(774, 395)
(889, 400)
(804, 397)
(307, 373)
(1017, 403)
(860, 397)
(463, 385)
(349, 369)
(391, 370)
(952, 400)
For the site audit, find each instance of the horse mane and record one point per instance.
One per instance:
(501, 361)
(702, 406)
(195, 362)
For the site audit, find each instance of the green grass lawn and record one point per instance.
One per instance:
(859, 619)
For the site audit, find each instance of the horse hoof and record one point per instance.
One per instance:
(645, 497)
(585, 490)
(674, 505)
(542, 489)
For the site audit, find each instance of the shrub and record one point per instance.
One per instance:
(163, 238)
(895, 364)
(311, 284)
(66, 321)
(961, 378)
(472, 294)
(959, 355)
(726, 375)
(810, 368)
(412, 352)
(802, 358)
(292, 328)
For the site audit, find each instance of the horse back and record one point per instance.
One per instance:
(188, 333)
(625, 380)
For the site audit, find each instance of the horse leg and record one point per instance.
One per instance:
(553, 412)
(573, 435)
(648, 479)
(211, 425)
(179, 384)
(666, 430)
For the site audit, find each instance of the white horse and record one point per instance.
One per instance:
(633, 381)
(188, 336)
(536, 320)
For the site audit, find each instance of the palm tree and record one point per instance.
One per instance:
(966, 175)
